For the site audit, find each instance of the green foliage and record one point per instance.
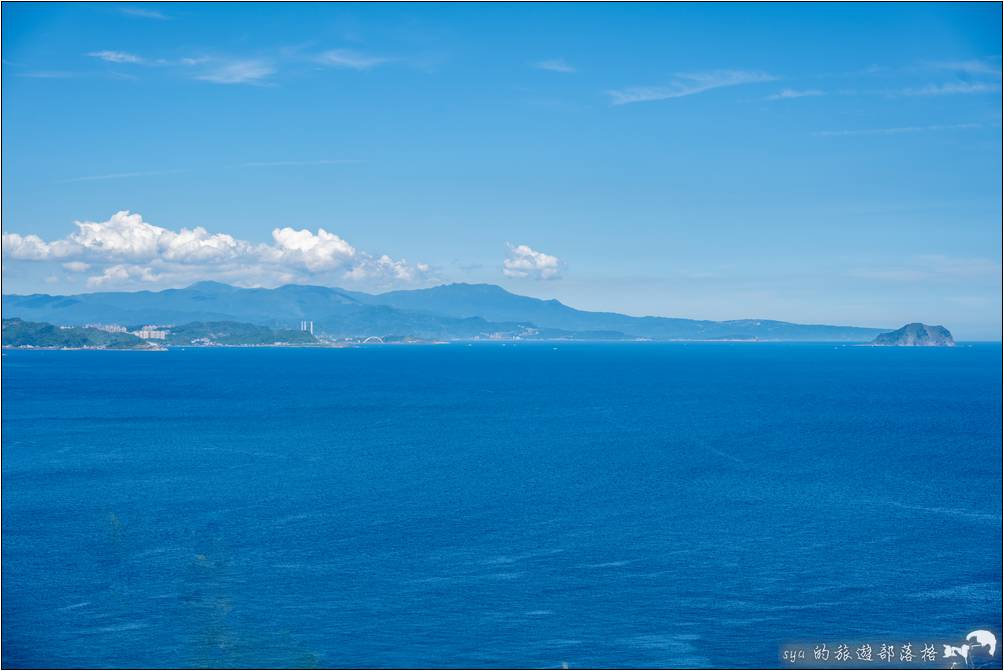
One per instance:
(235, 333)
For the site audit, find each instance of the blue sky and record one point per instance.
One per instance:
(812, 163)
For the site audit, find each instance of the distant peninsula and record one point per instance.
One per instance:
(915, 335)
(22, 334)
(40, 335)
(214, 313)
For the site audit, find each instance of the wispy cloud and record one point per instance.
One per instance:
(324, 161)
(953, 88)
(116, 56)
(234, 69)
(119, 175)
(931, 267)
(349, 59)
(787, 94)
(253, 71)
(144, 13)
(46, 74)
(176, 171)
(687, 85)
(216, 69)
(889, 274)
(971, 67)
(896, 130)
(555, 65)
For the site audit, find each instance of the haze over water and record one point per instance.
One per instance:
(634, 505)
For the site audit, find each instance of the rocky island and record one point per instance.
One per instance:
(915, 335)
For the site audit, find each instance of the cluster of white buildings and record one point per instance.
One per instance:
(148, 332)
(151, 332)
(110, 328)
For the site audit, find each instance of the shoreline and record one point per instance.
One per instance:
(433, 342)
(504, 343)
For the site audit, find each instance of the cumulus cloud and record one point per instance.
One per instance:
(386, 267)
(127, 250)
(320, 251)
(25, 247)
(524, 261)
(121, 274)
(77, 266)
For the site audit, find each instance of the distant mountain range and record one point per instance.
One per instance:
(446, 312)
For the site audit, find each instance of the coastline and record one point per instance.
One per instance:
(565, 341)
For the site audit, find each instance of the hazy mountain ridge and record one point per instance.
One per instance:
(453, 311)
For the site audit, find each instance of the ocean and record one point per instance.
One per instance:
(496, 505)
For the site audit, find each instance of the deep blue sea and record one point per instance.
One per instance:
(597, 505)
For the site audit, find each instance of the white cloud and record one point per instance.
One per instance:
(141, 13)
(932, 267)
(555, 65)
(77, 266)
(786, 94)
(353, 60)
(125, 235)
(686, 85)
(323, 161)
(120, 175)
(219, 70)
(953, 88)
(46, 74)
(962, 267)
(889, 274)
(122, 274)
(386, 267)
(116, 56)
(251, 71)
(320, 251)
(970, 67)
(126, 250)
(29, 247)
(524, 261)
(896, 131)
